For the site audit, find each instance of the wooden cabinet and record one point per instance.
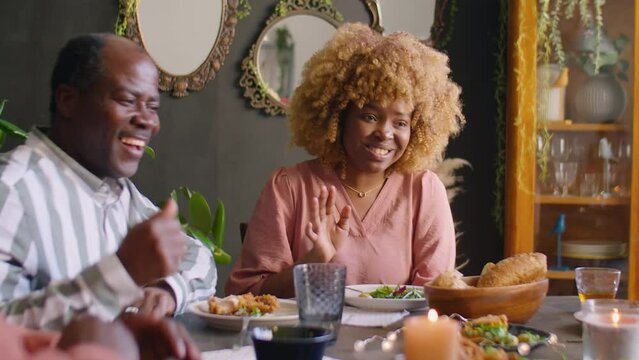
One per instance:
(597, 193)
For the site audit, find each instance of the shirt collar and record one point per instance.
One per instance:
(38, 139)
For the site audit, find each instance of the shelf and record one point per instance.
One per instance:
(561, 275)
(568, 125)
(580, 200)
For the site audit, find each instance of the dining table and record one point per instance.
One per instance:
(556, 315)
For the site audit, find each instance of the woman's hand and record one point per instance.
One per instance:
(326, 234)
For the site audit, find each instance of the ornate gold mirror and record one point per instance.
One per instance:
(425, 19)
(187, 40)
(273, 67)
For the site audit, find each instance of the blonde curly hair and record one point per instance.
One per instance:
(359, 66)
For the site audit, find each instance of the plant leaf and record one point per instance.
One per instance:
(623, 64)
(621, 42)
(2, 102)
(200, 212)
(12, 130)
(186, 191)
(221, 257)
(219, 224)
(2, 137)
(173, 196)
(150, 152)
(200, 236)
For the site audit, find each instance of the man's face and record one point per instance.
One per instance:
(114, 119)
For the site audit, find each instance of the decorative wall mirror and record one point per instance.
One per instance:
(187, 40)
(273, 67)
(425, 19)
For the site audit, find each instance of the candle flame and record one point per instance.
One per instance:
(432, 315)
(615, 317)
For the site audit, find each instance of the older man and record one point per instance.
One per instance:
(76, 235)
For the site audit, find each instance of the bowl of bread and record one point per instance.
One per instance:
(515, 287)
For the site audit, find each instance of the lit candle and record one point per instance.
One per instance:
(613, 334)
(430, 337)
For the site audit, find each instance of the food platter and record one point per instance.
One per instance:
(286, 314)
(545, 337)
(353, 292)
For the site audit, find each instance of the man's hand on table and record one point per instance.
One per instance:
(160, 338)
(157, 302)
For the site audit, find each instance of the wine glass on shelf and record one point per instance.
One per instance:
(559, 148)
(623, 156)
(565, 176)
(606, 154)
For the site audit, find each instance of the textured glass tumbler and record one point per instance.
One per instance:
(319, 289)
(597, 283)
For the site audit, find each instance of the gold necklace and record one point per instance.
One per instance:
(362, 194)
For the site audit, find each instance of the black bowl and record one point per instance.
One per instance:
(290, 342)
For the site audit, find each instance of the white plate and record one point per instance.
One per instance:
(286, 314)
(351, 297)
(579, 315)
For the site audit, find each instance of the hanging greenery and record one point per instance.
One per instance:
(125, 10)
(551, 12)
(550, 49)
(244, 9)
(442, 30)
(500, 118)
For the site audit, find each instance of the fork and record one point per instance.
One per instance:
(242, 335)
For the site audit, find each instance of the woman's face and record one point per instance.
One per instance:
(375, 137)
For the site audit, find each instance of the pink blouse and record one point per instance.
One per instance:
(407, 236)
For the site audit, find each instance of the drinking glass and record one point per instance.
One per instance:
(565, 175)
(559, 149)
(319, 289)
(597, 283)
(589, 185)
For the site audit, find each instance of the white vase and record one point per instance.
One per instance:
(550, 98)
(601, 98)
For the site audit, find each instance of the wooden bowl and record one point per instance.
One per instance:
(518, 302)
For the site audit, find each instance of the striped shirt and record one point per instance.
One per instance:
(60, 226)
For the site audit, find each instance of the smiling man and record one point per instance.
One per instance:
(76, 235)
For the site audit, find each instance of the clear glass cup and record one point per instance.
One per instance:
(319, 289)
(589, 185)
(565, 176)
(597, 283)
(610, 329)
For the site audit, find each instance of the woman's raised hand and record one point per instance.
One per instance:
(326, 234)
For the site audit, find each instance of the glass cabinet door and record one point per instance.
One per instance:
(579, 184)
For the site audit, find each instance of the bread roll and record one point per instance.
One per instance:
(451, 279)
(515, 270)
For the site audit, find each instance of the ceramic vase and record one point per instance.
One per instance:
(550, 98)
(601, 98)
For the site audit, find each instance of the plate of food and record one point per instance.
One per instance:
(382, 297)
(494, 331)
(228, 313)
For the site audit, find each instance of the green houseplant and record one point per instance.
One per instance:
(202, 224)
(8, 128)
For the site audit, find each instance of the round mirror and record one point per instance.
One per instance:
(187, 40)
(291, 36)
(284, 49)
(413, 16)
(179, 38)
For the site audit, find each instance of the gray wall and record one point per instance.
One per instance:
(211, 141)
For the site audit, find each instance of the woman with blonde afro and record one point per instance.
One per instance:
(377, 112)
